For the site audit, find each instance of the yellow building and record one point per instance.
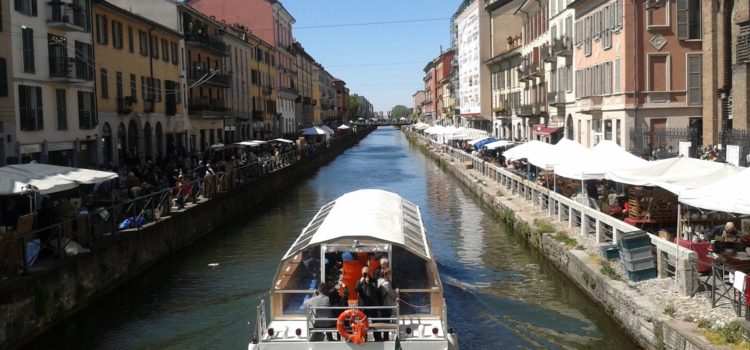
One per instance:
(316, 95)
(266, 120)
(139, 91)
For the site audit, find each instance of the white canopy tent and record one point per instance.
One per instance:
(421, 126)
(674, 174)
(283, 140)
(45, 178)
(564, 151)
(498, 144)
(604, 156)
(467, 134)
(327, 129)
(343, 127)
(526, 150)
(314, 131)
(728, 195)
(252, 143)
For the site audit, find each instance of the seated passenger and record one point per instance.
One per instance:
(320, 299)
(388, 295)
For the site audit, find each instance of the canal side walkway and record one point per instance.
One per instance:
(651, 312)
(33, 303)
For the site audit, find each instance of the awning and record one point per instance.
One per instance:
(498, 144)
(475, 141)
(606, 155)
(46, 178)
(526, 150)
(479, 145)
(544, 130)
(728, 195)
(283, 140)
(564, 151)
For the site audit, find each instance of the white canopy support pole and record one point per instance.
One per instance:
(677, 243)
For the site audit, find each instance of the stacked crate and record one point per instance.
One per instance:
(637, 259)
(651, 203)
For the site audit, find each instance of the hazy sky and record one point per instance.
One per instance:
(382, 62)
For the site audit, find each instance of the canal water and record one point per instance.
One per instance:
(500, 293)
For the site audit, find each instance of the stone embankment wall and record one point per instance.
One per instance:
(638, 317)
(33, 304)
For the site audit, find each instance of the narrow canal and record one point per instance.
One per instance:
(500, 293)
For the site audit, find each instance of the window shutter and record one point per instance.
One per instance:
(23, 106)
(695, 80)
(34, 10)
(682, 20)
(39, 112)
(3, 78)
(616, 82)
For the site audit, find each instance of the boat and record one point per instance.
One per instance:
(358, 229)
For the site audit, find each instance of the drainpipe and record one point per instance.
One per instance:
(635, 65)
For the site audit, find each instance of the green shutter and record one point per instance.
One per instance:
(695, 80)
(682, 20)
(3, 78)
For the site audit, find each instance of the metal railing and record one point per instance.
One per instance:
(376, 324)
(558, 207)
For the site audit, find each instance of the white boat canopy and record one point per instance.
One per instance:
(606, 155)
(45, 178)
(375, 214)
(728, 195)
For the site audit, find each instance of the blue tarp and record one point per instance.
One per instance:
(479, 145)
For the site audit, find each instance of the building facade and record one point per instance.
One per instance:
(325, 101)
(532, 114)
(342, 103)
(638, 81)
(472, 38)
(139, 90)
(207, 77)
(303, 80)
(429, 105)
(418, 99)
(47, 99)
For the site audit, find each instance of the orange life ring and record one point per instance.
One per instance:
(359, 324)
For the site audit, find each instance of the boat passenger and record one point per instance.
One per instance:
(320, 299)
(388, 295)
(368, 295)
(350, 273)
(383, 263)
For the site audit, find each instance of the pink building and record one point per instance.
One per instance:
(638, 74)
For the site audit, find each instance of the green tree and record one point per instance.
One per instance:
(400, 111)
(353, 108)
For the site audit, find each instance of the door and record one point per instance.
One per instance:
(656, 136)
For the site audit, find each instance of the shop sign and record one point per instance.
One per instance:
(59, 146)
(32, 148)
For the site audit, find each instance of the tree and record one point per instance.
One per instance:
(400, 111)
(353, 108)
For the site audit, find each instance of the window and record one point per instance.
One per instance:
(616, 80)
(27, 37)
(175, 57)
(27, 7)
(689, 19)
(154, 46)
(587, 36)
(579, 34)
(165, 50)
(658, 66)
(57, 48)
(117, 35)
(133, 88)
(84, 61)
(597, 24)
(658, 16)
(130, 39)
(143, 41)
(3, 78)
(118, 84)
(695, 79)
(30, 107)
(105, 84)
(86, 116)
(62, 109)
(618, 15)
(157, 87)
(101, 30)
(607, 78)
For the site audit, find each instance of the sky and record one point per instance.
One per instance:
(382, 62)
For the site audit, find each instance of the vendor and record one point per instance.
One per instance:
(726, 230)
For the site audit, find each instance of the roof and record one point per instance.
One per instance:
(369, 213)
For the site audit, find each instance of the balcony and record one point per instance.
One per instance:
(529, 72)
(212, 43)
(207, 107)
(202, 71)
(590, 104)
(556, 98)
(64, 70)
(125, 105)
(563, 46)
(525, 110)
(66, 16)
(149, 105)
(546, 54)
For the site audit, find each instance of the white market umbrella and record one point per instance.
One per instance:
(46, 178)
(728, 195)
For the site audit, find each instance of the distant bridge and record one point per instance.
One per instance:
(384, 122)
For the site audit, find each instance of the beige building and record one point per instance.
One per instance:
(47, 104)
